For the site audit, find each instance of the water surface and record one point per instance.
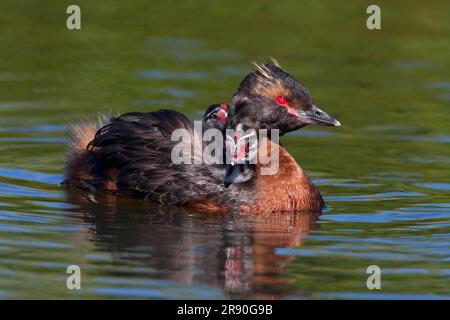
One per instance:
(384, 174)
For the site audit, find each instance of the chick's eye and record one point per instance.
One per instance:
(282, 101)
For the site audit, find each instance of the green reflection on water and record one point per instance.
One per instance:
(384, 173)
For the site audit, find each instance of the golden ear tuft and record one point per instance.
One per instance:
(262, 69)
(275, 62)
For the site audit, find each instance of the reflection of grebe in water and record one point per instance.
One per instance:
(233, 252)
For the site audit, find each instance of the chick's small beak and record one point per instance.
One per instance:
(222, 116)
(317, 116)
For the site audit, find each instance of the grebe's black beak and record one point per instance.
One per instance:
(317, 116)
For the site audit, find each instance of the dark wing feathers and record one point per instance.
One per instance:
(139, 146)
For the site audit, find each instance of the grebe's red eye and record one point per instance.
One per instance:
(282, 101)
(224, 106)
